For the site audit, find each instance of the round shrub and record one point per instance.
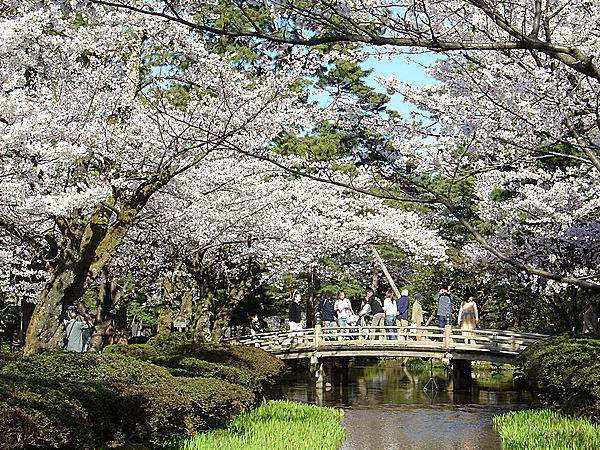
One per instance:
(73, 400)
(565, 371)
(139, 351)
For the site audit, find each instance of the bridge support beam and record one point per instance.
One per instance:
(320, 373)
(459, 375)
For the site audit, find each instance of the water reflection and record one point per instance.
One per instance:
(387, 408)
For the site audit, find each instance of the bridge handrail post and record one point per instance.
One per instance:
(447, 336)
(317, 335)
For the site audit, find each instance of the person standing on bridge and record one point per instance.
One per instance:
(590, 320)
(327, 309)
(417, 314)
(391, 311)
(444, 301)
(295, 315)
(343, 308)
(402, 304)
(376, 308)
(468, 317)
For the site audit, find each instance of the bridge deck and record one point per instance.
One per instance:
(477, 345)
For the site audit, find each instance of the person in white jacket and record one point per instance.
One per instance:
(391, 311)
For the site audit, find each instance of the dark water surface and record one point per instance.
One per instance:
(387, 408)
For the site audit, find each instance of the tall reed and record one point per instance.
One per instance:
(275, 425)
(545, 429)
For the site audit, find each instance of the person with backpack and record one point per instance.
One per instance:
(444, 301)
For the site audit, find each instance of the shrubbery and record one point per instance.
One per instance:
(137, 393)
(250, 359)
(566, 372)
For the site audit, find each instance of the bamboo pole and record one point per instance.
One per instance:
(385, 271)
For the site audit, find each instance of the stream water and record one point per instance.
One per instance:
(387, 408)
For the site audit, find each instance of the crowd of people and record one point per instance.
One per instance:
(391, 312)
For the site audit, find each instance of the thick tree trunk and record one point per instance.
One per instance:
(109, 297)
(43, 331)
(87, 247)
(165, 319)
(375, 279)
(202, 319)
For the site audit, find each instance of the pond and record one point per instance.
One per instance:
(387, 407)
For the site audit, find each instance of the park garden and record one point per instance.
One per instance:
(187, 164)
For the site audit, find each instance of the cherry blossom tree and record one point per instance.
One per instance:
(516, 109)
(92, 128)
(252, 213)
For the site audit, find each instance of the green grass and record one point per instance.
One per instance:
(275, 425)
(543, 429)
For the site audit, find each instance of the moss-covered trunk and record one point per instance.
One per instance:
(87, 247)
(60, 293)
(235, 293)
(109, 298)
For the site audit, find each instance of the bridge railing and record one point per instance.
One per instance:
(323, 338)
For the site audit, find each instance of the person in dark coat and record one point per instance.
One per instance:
(295, 313)
(402, 304)
(327, 309)
(295, 316)
(444, 301)
(375, 308)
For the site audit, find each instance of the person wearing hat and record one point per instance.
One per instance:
(590, 320)
(417, 314)
(327, 309)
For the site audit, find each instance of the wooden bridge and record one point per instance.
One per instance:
(456, 348)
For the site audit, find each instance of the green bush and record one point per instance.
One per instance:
(139, 351)
(566, 372)
(185, 366)
(143, 393)
(262, 366)
(69, 400)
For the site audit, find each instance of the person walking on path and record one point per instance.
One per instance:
(590, 320)
(391, 312)
(417, 314)
(73, 334)
(468, 317)
(295, 316)
(444, 301)
(376, 308)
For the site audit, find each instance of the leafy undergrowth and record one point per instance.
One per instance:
(544, 429)
(129, 394)
(275, 425)
(565, 372)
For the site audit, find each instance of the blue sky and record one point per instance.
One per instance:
(411, 72)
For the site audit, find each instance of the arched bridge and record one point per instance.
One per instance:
(453, 345)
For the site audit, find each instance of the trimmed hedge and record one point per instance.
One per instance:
(565, 371)
(263, 367)
(129, 394)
